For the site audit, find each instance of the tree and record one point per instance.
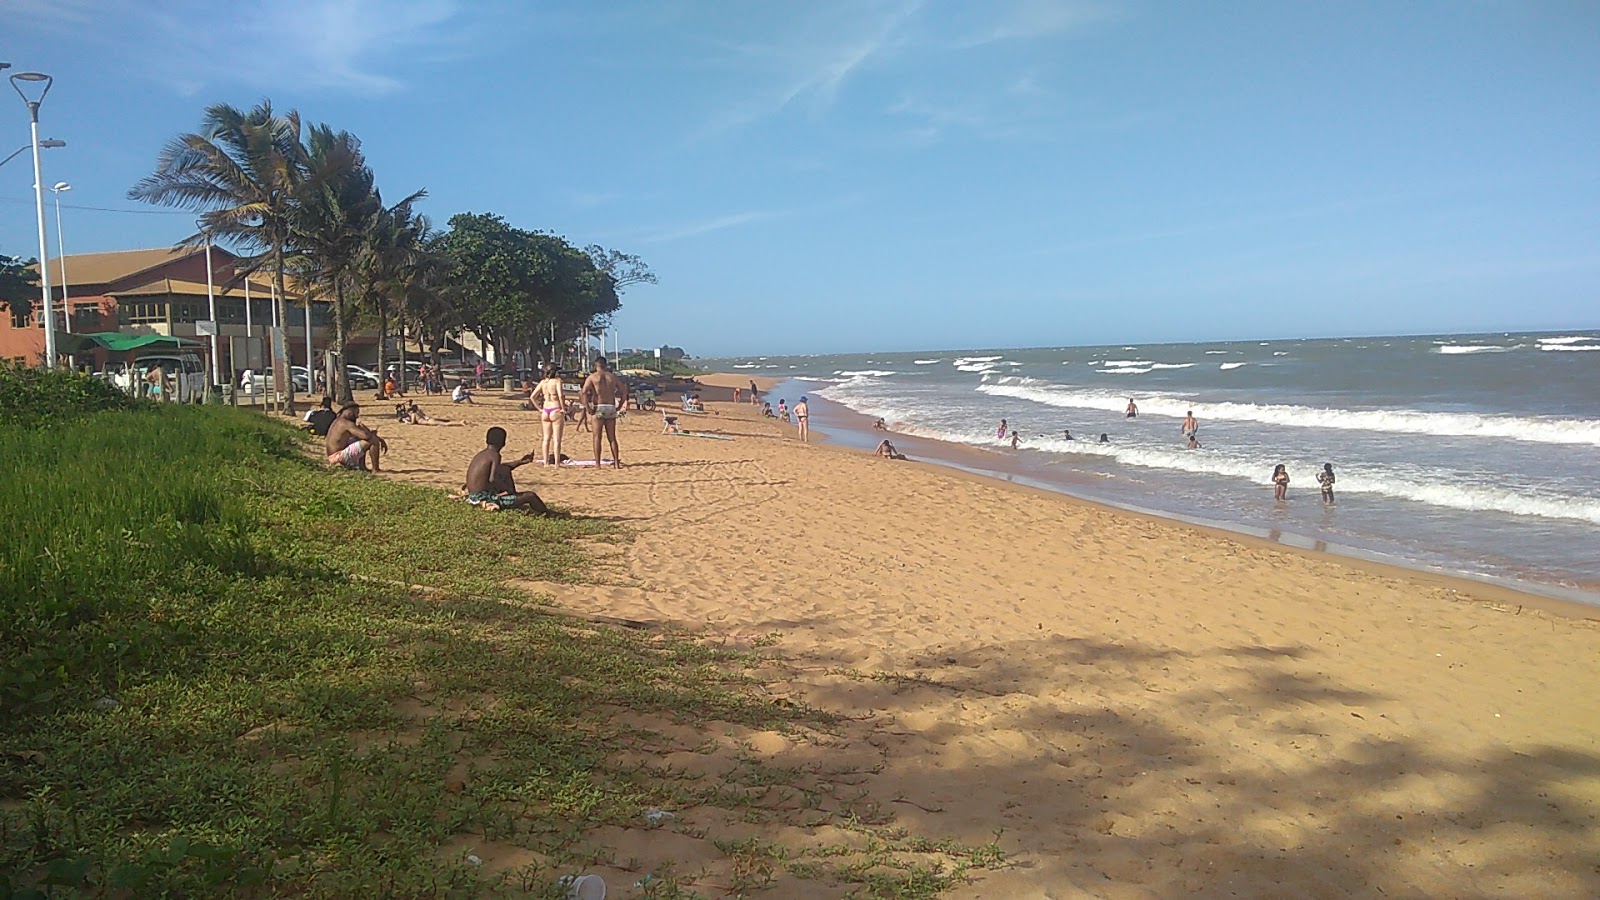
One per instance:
(243, 172)
(625, 269)
(338, 215)
(19, 284)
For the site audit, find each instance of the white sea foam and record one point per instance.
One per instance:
(1570, 339)
(1113, 363)
(1568, 347)
(870, 373)
(1171, 365)
(925, 362)
(1216, 352)
(747, 366)
(1475, 348)
(965, 360)
(1435, 487)
(976, 367)
(1280, 353)
(1129, 370)
(1226, 366)
(1399, 421)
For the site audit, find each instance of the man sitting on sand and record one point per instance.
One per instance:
(321, 418)
(461, 394)
(489, 481)
(351, 445)
(888, 451)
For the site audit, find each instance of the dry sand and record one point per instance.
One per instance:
(1138, 707)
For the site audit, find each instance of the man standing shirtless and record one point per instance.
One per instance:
(802, 415)
(489, 481)
(604, 395)
(353, 446)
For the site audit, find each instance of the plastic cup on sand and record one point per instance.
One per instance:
(585, 887)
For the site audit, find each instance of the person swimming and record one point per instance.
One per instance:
(1104, 439)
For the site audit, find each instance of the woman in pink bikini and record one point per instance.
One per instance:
(549, 397)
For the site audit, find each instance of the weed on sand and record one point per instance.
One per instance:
(214, 678)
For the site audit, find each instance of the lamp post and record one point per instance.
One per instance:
(33, 79)
(211, 301)
(46, 144)
(61, 253)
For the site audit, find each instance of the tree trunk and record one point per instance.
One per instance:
(403, 357)
(286, 385)
(383, 337)
(341, 374)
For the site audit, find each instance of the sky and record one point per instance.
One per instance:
(921, 174)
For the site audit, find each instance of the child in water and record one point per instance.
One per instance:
(1325, 479)
(1000, 433)
(1280, 482)
(1016, 439)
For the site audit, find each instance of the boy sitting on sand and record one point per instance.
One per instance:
(489, 481)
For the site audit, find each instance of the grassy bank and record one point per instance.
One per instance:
(226, 669)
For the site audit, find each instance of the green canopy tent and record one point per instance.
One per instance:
(117, 342)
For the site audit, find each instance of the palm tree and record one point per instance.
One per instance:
(388, 263)
(242, 172)
(338, 213)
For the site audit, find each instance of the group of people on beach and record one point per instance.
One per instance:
(489, 482)
(1191, 435)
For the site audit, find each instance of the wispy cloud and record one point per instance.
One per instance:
(1028, 19)
(812, 64)
(350, 46)
(720, 223)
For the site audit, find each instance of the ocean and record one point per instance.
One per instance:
(1470, 454)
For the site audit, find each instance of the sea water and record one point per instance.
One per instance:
(1477, 454)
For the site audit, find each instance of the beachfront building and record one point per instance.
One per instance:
(163, 292)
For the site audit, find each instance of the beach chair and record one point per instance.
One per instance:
(669, 424)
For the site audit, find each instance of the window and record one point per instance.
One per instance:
(19, 317)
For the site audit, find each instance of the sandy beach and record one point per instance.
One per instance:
(1135, 707)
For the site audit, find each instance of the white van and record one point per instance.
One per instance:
(185, 374)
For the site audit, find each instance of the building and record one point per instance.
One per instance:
(164, 292)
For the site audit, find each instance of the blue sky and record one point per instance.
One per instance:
(838, 176)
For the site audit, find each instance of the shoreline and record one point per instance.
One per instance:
(989, 467)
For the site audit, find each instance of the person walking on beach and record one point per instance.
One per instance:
(755, 395)
(1280, 483)
(1133, 409)
(489, 481)
(1000, 433)
(548, 396)
(605, 395)
(351, 445)
(802, 412)
(1190, 426)
(1325, 481)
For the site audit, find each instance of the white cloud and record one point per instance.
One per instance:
(361, 47)
(810, 62)
(721, 223)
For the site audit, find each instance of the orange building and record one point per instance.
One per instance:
(163, 292)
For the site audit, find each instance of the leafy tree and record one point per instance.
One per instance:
(243, 171)
(19, 284)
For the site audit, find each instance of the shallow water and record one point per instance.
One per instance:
(1470, 453)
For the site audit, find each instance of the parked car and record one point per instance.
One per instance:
(263, 382)
(186, 375)
(362, 378)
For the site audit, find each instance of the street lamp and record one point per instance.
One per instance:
(32, 80)
(61, 253)
(46, 144)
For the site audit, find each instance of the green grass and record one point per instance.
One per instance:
(214, 678)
